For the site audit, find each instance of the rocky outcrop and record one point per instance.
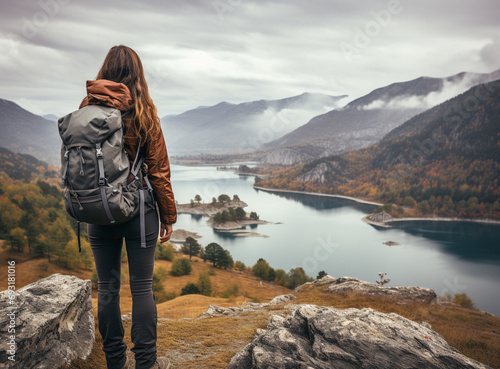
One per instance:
(323, 337)
(53, 325)
(321, 173)
(381, 217)
(402, 295)
(214, 311)
(287, 156)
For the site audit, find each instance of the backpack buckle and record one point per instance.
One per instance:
(102, 181)
(99, 153)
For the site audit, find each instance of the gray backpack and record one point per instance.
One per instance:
(95, 169)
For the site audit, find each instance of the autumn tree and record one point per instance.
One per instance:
(205, 284)
(261, 269)
(297, 277)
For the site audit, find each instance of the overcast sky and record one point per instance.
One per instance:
(202, 52)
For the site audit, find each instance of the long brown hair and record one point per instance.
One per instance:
(123, 65)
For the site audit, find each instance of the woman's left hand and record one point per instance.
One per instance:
(165, 232)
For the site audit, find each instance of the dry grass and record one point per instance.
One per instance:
(211, 342)
(192, 343)
(207, 343)
(248, 286)
(191, 306)
(29, 270)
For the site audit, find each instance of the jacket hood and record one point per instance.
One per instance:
(108, 93)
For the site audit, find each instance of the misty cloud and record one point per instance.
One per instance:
(490, 53)
(195, 55)
(449, 90)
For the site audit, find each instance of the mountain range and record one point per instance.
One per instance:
(367, 119)
(446, 160)
(284, 131)
(246, 126)
(27, 133)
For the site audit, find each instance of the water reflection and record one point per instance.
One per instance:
(467, 240)
(323, 202)
(432, 254)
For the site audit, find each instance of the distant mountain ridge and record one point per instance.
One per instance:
(25, 132)
(234, 127)
(446, 160)
(367, 119)
(51, 117)
(284, 131)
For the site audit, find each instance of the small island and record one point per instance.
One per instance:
(180, 236)
(226, 215)
(391, 243)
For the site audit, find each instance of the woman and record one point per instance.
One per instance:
(121, 84)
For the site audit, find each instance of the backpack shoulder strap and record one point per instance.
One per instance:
(139, 159)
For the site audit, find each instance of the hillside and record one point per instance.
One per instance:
(369, 118)
(234, 127)
(27, 133)
(445, 161)
(211, 339)
(24, 167)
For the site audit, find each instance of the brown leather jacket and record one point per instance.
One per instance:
(117, 95)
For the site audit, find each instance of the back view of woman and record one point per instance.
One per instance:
(121, 84)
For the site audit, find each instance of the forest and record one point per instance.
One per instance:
(439, 163)
(32, 215)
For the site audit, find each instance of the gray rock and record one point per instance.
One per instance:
(281, 299)
(217, 311)
(323, 337)
(54, 323)
(317, 282)
(214, 311)
(286, 156)
(402, 295)
(381, 217)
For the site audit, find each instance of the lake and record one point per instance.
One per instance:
(323, 233)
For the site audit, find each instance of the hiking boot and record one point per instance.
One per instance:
(162, 363)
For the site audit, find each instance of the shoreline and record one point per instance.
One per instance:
(384, 225)
(238, 228)
(375, 224)
(442, 219)
(319, 194)
(195, 163)
(390, 223)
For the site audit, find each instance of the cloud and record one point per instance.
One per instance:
(256, 50)
(490, 53)
(448, 90)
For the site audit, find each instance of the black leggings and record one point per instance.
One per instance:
(106, 243)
